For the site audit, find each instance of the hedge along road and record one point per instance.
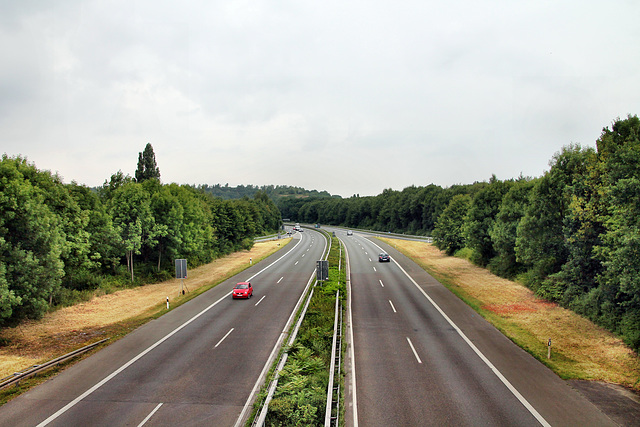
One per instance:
(422, 357)
(199, 364)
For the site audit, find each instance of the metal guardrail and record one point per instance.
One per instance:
(379, 233)
(262, 415)
(19, 376)
(278, 236)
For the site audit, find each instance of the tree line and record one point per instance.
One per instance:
(571, 235)
(274, 192)
(413, 210)
(59, 241)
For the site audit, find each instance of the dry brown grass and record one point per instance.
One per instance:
(580, 349)
(71, 327)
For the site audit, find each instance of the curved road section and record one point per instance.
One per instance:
(200, 364)
(423, 357)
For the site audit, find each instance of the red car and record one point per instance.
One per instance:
(243, 290)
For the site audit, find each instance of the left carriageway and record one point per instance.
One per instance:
(200, 364)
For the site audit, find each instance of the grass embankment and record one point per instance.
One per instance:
(580, 349)
(113, 315)
(300, 398)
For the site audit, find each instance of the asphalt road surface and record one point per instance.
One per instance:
(200, 364)
(423, 357)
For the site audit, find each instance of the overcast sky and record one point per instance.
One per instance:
(344, 96)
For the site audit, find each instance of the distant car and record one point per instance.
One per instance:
(384, 257)
(243, 290)
(349, 233)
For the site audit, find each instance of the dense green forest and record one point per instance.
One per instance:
(571, 235)
(274, 192)
(59, 242)
(413, 210)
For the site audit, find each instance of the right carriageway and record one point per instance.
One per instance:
(420, 356)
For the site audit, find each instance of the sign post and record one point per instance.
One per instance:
(181, 272)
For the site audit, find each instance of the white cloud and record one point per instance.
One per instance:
(350, 97)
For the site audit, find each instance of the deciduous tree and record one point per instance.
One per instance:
(31, 244)
(503, 231)
(449, 231)
(480, 218)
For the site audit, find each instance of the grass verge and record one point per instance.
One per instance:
(580, 349)
(112, 315)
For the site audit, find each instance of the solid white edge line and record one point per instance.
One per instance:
(482, 357)
(415, 353)
(352, 353)
(263, 297)
(150, 415)
(144, 352)
(223, 338)
(392, 306)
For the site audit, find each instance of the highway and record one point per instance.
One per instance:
(200, 364)
(417, 356)
(423, 357)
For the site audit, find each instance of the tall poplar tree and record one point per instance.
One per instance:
(147, 167)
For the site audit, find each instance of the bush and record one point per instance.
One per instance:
(67, 297)
(465, 253)
(83, 280)
(630, 327)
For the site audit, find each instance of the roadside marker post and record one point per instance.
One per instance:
(167, 303)
(549, 349)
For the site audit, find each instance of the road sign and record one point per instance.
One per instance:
(181, 269)
(322, 270)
